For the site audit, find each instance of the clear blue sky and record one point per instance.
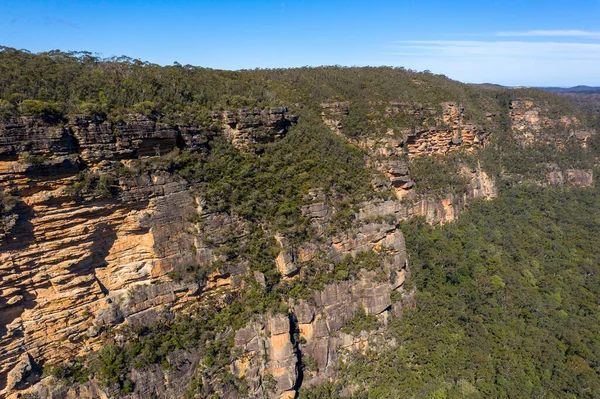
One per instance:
(512, 42)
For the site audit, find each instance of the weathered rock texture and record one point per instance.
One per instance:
(286, 259)
(528, 116)
(95, 139)
(153, 382)
(70, 268)
(458, 134)
(332, 114)
(269, 347)
(574, 177)
(267, 351)
(432, 131)
(532, 122)
(434, 210)
(255, 126)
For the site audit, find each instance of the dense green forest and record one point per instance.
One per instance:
(57, 83)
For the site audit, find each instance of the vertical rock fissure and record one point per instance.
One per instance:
(295, 338)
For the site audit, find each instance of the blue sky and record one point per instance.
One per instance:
(512, 42)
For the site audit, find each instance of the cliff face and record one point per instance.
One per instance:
(434, 210)
(533, 122)
(526, 115)
(255, 126)
(390, 153)
(271, 352)
(458, 134)
(95, 139)
(434, 130)
(76, 266)
(68, 266)
(72, 267)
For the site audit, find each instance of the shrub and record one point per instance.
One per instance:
(360, 322)
(41, 108)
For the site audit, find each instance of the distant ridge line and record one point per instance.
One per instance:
(581, 89)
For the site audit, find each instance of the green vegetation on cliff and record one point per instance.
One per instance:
(506, 297)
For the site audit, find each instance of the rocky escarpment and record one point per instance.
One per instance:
(96, 139)
(333, 113)
(534, 122)
(458, 134)
(156, 243)
(574, 177)
(73, 266)
(435, 210)
(272, 354)
(421, 130)
(78, 265)
(247, 127)
(69, 267)
(526, 115)
(417, 131)
(268, 352)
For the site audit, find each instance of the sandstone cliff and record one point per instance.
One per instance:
(537, 122)
(76, 265)
(420, 130)
(72, 266)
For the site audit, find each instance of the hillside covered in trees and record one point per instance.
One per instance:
(177, 231)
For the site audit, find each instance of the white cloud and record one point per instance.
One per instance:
(499, 49)
(551, 33)
(504, 62)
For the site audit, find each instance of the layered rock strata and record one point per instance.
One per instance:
(95, 139)
(531, 123)
(71, 267)
(434, 210)
(435, 132)
(247, 127)
(276, 348)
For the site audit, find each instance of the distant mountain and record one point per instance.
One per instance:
(576, 89)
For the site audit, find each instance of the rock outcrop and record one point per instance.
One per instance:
(533, 122)
(434, 210)
(527, 117)
(155, 381)
(247, 127)
(279, 346)
(95, 139)
(72, 267)
(574, 177)
(286, 259)
(432, 131)
(267, 359)
(332, 114)
(390, 149)
(458, 134)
